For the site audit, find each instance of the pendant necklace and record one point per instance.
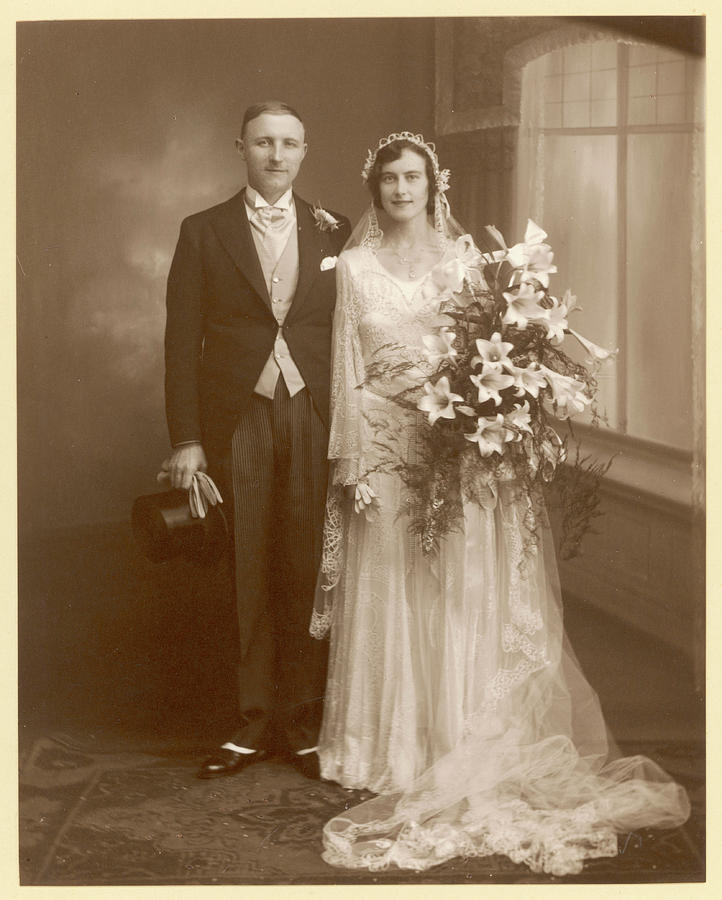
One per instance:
(410, 261)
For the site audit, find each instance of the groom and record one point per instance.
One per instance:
(250, 300)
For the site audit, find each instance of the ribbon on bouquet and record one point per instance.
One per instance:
(201, 494)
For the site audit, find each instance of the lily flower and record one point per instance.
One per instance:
(556, 322)
(570, 301)
(489, 383)
(440, 346)
(567, 394)
(528, 379)
(490, 434)
(449, 276)
(523, 306)
(493, 353)
(468, 252)
(495, 256)
(497, 235)
(533, 256)
(520, 420)
(471, 258)
(594, 351)
(439, 401)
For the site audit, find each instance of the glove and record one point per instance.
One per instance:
(365, 500)
(201, 493)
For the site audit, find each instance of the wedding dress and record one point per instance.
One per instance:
(452, 692)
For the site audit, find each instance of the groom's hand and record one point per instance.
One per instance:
(184, 462)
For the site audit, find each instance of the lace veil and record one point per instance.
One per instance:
(344, 450)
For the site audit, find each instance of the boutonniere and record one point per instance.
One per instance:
(324, 220)
(328, 262)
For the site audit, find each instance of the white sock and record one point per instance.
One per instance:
(229, 745)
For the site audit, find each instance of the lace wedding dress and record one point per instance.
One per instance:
(452, 691)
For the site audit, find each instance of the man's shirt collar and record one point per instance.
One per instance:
(255, 201)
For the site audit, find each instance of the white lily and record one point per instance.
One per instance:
(440, 346)
(449, 275)
(493, 353)
(497, 235)
(523, 306)
(495, 256)
(490, 434)
(533, 256)
(489, 383)
(594, 350)
(556, 322)
(567, 393)
(570, 301)
(472, 260)
(528, 379)
(439, 401)
(520, 420)
(467, 251)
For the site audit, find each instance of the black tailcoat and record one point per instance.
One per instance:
(220, 331)
(220, 328)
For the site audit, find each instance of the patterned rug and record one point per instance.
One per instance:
(95, 818)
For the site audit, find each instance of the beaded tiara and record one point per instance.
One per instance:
(441, 176)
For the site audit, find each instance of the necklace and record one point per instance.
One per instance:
(411, 261)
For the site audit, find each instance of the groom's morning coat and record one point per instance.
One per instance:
(220, 329)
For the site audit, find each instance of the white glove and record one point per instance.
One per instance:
(202, 492)
(365, 500)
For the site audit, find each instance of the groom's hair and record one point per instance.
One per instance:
(268, 106)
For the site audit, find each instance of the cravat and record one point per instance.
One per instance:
(269, 216)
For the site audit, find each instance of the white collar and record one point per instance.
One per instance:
(255, 201)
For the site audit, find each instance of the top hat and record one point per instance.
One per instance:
(164, 528)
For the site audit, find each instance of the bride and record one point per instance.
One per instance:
(452, 692)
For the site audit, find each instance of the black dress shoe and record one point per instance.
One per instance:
(307, 764)
(227, 762)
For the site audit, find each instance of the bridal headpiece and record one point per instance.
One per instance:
(441, 176)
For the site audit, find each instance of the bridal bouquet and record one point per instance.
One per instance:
(502, 383)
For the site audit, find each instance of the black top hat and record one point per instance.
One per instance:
(164, 528)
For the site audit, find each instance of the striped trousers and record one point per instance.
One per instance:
(278, 470)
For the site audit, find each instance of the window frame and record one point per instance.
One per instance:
(621, 132)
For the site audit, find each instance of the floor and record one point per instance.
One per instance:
(126, 673)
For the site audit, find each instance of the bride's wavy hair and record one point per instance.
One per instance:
(390, 153)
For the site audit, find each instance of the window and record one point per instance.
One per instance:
(609, 166)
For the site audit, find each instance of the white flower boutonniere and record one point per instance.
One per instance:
(324, 220)
(328, 262)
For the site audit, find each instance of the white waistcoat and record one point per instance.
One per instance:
(281, 279)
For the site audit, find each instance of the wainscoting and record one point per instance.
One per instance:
(643, 562)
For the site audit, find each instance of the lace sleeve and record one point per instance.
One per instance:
(347, 370)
